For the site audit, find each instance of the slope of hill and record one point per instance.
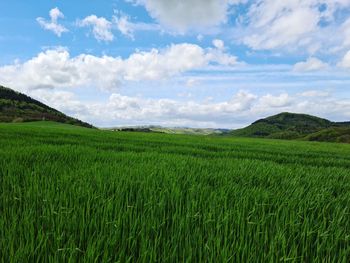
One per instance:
(17, 107)
(296, 126)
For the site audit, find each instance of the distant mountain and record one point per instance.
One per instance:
(297, 126)
(172, 130)
(17, 107)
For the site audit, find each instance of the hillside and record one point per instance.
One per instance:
(18, 107)
(296, 126)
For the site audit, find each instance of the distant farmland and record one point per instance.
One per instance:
(71, 194)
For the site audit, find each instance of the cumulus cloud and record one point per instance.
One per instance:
(182, 15)
(57, 69)
(279, 101)
(237, 111)
(53, 24)
(138, 110)
(101, 27)
(157, 64)
(311, 64)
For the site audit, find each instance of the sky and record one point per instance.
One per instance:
(179, 63)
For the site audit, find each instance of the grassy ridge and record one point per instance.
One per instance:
(72, 194)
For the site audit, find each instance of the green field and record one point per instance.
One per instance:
(71, 194)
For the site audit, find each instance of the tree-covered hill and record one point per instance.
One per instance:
(333, 134)
(18, 107)
(297, 126)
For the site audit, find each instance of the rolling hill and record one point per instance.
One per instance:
(297, 126)
(18, 107)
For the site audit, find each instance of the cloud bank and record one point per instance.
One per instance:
(241, 109)
(57, 69)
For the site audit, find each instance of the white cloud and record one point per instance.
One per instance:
(345, 32)
(219, 55)
(279, 101)
(219, 44)
(53, 25)
(283, 26)
(276, 24)
(126, 27)
(192, 82)
(279, 32)
(311, 64)
(101, 27)
(154, 65)
(57, 69)
(345, 63)
(137, 110)
(302, 25)
(314, 93)
(182, 15)
(200, 37)
(239, 110)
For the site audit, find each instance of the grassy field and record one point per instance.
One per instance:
(71, 194)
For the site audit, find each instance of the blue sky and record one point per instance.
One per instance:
(213, 63)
